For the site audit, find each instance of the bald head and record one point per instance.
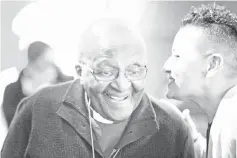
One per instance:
(110, 36)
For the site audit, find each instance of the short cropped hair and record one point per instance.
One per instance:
(36, 49)
(220, 26)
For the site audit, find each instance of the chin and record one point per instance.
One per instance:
(121, 114)
(169, 96)
(172, 95)
(177, 96)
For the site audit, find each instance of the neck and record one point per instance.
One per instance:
(211, 99)
(208, 106)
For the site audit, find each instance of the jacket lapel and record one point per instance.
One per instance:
(74, 111)
(143, 121)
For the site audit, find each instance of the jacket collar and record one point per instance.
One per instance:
(143, 121)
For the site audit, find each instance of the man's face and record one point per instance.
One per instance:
(115, 79)
(185, 67)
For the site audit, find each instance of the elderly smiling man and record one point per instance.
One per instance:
(104, 113)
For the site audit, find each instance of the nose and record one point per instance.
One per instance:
(167, 66)
(121, 83)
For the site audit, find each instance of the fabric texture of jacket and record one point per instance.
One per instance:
(53, 123)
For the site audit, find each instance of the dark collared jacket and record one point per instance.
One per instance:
(53, 123)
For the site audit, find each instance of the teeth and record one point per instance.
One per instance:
(117, 98)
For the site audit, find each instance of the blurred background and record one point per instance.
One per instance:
(159, 22)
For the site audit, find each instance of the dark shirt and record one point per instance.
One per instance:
(13, 94)
(207, 137)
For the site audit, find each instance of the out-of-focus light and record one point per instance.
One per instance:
(130, 10)
(59, 23)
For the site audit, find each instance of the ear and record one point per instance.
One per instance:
(79, 73)
(79, 68)
(214, 64)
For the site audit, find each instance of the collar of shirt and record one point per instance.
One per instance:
(224, 128)
(96, 115)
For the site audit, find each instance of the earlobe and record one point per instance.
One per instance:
(78, 70)
(79, 73)
(215, 62)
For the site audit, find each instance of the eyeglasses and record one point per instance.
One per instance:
(132, 73)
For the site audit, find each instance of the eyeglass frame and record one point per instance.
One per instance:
(96, 78)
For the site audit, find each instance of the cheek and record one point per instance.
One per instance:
(179, 75)
(99, 87)
(89, 82)
(138, 86)
(189, 75)
(182, 72)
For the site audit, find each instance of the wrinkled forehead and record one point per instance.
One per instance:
(112, 39)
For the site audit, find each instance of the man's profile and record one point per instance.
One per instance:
(203, 69)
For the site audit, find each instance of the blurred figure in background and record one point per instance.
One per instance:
(7, 77)
(39, 72)
(203, 69)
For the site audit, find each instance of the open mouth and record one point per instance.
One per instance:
(116, 98)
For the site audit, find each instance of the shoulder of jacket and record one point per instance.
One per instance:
(167, 111)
